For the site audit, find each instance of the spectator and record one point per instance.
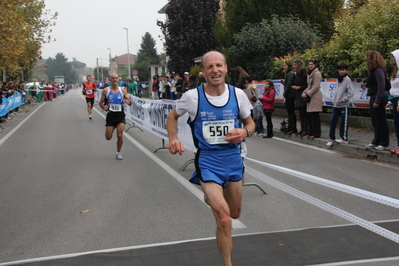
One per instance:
(267, 100)
(375, 83)
(139, 87)
(250, 89)
(155, 87)
(201, 78)
(167, 87)
(258, 116)
(132, 87)
(300, 84)
(341, 99)
(192, 82)
(178, 86)
(186, 82)
(289, 96)
(394, 97)
(314, 106)
(161, 87)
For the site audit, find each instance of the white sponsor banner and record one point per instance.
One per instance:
(152, 115)
(327, 87)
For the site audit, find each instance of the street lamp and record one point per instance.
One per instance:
(110, 72)
(128, 55)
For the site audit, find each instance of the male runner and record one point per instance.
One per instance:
(88, 90)
(215, 110)
(116, 116)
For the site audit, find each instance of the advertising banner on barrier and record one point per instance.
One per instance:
(152, 115)
(359, 99)
(10, 103)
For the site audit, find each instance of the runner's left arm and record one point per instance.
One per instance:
(126, 96)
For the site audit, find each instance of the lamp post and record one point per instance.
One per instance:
(128, 55)
(110, 71)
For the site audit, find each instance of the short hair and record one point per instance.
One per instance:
(254, 99)
(342, 66)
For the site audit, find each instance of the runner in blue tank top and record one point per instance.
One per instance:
(215, 110)
(116, 116)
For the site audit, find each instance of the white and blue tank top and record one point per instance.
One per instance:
(115, 101)
(212, 123)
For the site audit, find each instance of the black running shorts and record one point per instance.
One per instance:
(115, 118)
(90, 100)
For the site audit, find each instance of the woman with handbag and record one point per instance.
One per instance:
(314, 99)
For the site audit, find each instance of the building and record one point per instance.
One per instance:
(119, 64)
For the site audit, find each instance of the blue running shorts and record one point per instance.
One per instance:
(218, 167)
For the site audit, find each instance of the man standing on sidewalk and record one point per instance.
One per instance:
(341, 100)
(217, 135)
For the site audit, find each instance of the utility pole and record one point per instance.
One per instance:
(110, 70)
(128, 55)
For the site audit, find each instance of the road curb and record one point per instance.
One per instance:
(374, 155)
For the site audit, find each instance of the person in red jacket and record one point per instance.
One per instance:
(88, 90)
(267, 100)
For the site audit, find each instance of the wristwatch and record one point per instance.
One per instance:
(248, 132)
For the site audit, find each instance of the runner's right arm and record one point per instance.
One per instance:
(103, 97)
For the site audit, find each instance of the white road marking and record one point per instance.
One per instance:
(304, 145)
(19, 125)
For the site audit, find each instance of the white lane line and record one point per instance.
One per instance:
(304, 145)
(237, 224)
(357, 262)
(19, 125)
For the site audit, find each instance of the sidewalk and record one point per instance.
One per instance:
(357, 139)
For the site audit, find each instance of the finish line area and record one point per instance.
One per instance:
(338, 245)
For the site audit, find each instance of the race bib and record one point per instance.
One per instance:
(115, 107)
(89, 91)
(214, 132)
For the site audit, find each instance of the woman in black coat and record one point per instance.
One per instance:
(300, 84)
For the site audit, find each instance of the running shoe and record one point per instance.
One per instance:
(90, 117)
(118, 156)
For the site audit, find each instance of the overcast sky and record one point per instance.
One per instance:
(87, 28)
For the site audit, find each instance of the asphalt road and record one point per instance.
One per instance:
(62, 191)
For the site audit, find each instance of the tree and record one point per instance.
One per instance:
(374, 26)
(256, 45)
(147, 51)
(188, 31)
(59, 66)
(24, 27)
(142, 68)
(238, 13)
(77, 64)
